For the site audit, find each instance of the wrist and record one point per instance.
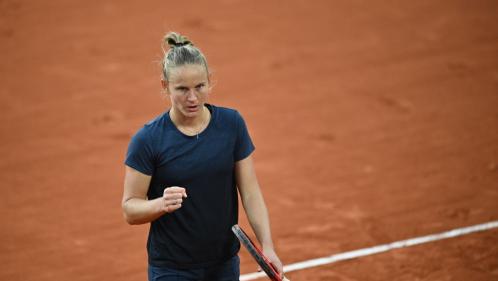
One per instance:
(267, 246)
(159, 206)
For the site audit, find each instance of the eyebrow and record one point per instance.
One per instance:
(180, 87)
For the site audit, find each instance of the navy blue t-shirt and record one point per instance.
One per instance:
(199, 233)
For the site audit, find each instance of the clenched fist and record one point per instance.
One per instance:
(172, 198)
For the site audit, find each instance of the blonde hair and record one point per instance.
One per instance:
(181, 52)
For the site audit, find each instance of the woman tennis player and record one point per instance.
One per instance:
(183, 170)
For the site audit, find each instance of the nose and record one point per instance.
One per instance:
(191, 96)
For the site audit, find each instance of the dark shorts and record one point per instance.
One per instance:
(228, 271)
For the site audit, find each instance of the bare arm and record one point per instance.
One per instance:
(137, 209)
(254, 205)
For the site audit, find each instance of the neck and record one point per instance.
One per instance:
(191, 126)
(180, 120)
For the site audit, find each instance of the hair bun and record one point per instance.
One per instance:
(174, 39)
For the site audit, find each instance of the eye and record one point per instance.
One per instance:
(200, 86)
(181, 89)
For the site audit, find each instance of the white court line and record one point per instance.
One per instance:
(378, 249)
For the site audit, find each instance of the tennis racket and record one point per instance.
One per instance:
(261, 259)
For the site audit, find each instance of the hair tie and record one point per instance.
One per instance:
(172, 42)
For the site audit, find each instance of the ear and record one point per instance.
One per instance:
(210, 81)
(164, 85)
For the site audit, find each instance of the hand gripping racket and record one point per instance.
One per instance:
(263, 261)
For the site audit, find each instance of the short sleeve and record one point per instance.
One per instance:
(140, 154)
(243, 145)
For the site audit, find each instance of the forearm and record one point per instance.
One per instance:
(140, 211)
(256, 211)
(257, 214)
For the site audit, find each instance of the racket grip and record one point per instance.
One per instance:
(283, 278)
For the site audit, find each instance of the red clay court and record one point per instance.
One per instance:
(373, 123)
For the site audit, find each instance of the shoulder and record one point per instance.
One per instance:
(157, 122)
(223, 111)
(225, 114)
(149, 129)
(230, 121)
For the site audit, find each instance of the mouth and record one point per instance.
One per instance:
(192, 108)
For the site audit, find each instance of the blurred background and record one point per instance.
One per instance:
(373, 122)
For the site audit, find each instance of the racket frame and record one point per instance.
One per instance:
(256, 253)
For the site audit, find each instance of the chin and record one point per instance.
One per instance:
(191, 113)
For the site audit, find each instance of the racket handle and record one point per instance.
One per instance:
(276, 270)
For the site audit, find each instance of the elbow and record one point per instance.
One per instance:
(129, 219)
(133, 222)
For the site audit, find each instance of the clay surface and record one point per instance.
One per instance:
(374, 121)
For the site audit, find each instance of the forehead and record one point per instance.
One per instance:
(189, 73)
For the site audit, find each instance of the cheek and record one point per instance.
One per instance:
(175, 99)
(206, 93)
